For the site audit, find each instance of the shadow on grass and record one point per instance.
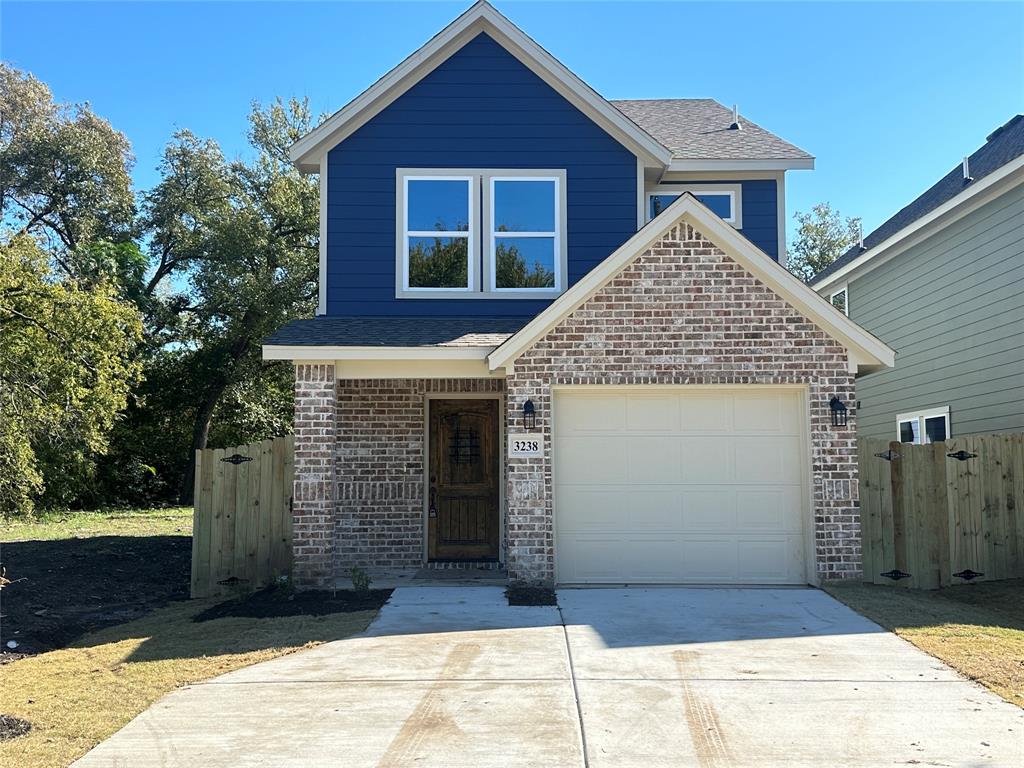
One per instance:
(64, 588)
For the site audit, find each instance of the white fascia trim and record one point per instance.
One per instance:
(869, 352)
(321, 308)
(782, 164)
(974, 196)
(481, 17)
(314, 352)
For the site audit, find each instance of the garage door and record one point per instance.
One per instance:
(680, 485)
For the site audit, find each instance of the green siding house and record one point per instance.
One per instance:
(942, 283)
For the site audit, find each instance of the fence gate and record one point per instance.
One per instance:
(943, 513)
(242, 523)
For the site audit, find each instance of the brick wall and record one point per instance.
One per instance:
(313, 506)
(685, 313)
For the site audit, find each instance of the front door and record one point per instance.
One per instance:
(463, 497)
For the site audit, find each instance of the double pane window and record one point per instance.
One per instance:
(524, 233)
(723, 200)
(924, 426)
(438, 246)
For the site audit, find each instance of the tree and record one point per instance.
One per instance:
(64, 172)
(234, 253)
(66, 369)
(822, 237)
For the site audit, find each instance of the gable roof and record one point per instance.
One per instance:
(699, 129)
(481, 17)
(866, 352)
(989, 164)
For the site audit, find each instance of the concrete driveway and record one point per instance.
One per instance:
(452, 676)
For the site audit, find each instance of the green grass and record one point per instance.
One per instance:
(49, 526)
(978, 629)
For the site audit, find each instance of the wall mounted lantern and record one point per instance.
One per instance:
(838, 412)
(529, 415)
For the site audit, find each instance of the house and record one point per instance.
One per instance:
(942, 281)
(554, 336)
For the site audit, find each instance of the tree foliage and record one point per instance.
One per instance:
(822, 237)
(66, 369)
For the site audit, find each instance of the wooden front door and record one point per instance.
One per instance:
(463, 497)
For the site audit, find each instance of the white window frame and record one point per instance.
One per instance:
(481, 270)
(471, 235)
(734, 192)
(844, 288)
(491, 265)
(920, 416)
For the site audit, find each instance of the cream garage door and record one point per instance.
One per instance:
(680, 485)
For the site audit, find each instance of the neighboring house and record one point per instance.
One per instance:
(512, 365)
(942, 281)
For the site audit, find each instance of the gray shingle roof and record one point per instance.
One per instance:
(398, 331)
(698, 129)
(1004, 144)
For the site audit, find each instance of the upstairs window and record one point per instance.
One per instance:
(931, 426)
(725, 200)
(480, 234)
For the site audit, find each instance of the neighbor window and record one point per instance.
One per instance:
(931, 426)
(518, 251)
(723, 199)
(840, 301)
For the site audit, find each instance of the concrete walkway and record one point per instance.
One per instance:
(450, 676)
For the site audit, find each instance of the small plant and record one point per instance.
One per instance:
(360, 579)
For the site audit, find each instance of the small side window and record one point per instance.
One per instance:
(930, 426)
(841, 301)
(723, 199)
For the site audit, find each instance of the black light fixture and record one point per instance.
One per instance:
(838, 412)
(529, 415)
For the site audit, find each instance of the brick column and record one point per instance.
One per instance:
(313, 501)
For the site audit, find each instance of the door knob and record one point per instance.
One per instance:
(432, 511)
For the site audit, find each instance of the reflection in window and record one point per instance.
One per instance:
(437, 232)
(524, 237)
(720, 203)
(931, 426)
(839, 301)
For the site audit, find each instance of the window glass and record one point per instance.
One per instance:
(720, 204)
(438, 262)
(839, 301)
(524, 262)
(935, 429)
(909, 431)
(524, 206)
(438, 205)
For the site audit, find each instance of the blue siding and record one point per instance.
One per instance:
(760, 211)
(480, 109)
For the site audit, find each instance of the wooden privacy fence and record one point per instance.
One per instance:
(242, 523)
(942, 518)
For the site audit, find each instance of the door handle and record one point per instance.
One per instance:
(432, 511)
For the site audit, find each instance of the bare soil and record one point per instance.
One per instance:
(59, 590)
(275, 602)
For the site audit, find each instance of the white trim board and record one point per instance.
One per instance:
(970, 199)
(480, 17)
(329, 352)
(781, 164)
(866, 352)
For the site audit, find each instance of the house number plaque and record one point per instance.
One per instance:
(525, 446)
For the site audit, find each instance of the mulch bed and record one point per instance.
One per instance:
(60, 590)
(526, 595)
(274, 602)
(11, 727)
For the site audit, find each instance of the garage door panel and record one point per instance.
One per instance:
(676, 485)
(650, 459)
(766, 459)
(652, 413)
(618, 509)
(709, 459)
(590, 459)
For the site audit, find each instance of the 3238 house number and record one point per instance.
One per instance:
(525, 446)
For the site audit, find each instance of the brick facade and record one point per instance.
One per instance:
(681, 313)
(685, 313)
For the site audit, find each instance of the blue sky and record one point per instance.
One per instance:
(888, 97)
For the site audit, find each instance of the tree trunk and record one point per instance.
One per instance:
(200, 434)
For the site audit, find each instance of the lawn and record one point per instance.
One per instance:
(97, 604)
(978, 629)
